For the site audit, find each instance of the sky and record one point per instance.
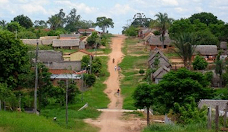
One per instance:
(121, 11)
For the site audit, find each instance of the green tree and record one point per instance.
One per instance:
(96, 66)
(26, 35)
(89, 79)
(104, 23)
(14, 26)
(131, 31)
(13, 59)
(205, 37)
(72, 21)
(24, 21)
(162, 22)
(85, 61)
(178, 86)
(185, 44)
(219, 67)
(7, 96)
(40, 24)
(3, 24)
(199, 63)
(144, 97)
(140, 20)
(204, 17)
(93, 39)
(141, 71)
(180, 26)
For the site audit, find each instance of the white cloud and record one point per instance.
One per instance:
(170, 2)
(4, 1)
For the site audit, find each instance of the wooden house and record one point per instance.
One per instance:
(158, 75)
(158, 54)
(155, 41)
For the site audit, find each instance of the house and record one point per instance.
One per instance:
(76, 56)
(212, 103)
(69, 36)
(49, 56)
(163, 60)
(66, 43)
(70, 65)
(209, 52)
(143, 32)
(47, 40)
(223, 45)
(86, 32)
(158, 75)
(155, 41)
(64, 74)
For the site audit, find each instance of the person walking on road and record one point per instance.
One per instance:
(115, 68)
(113, 60)
(118, 92)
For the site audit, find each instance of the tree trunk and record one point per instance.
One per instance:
(148, 116)
(163, 40)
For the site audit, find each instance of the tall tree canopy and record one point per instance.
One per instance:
(72, 20)
(162, 23)
(140, 20)
(13, 59)
(185, 46)
(104, 23)
(24, 21)
(204, 17)
(178, 86)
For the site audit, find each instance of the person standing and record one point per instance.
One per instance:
(113, 60)
(115, 68)
(118, 92)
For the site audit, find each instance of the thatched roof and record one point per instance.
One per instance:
(223, 45)
(163, 60)
(161, 72)
(156, 40)
(65, 43)
(69, 36)
(212, 103)
(70, 65)
(206, 50)
(47, 56)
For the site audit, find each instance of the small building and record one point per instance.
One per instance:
(69, 36)
(212, 103)
(69, 65)
(209, 52)
(163, 60)
(143, 32)
(47, 40)
(49, 56)
(86, 32)
(155, 41)
(158, 75)
(63, 75)
(76, 56)
(223, 46)
(66, 43)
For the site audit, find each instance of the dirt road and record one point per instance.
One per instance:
(110, 119)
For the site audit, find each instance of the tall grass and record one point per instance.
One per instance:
(177, 128)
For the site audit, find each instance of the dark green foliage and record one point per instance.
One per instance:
(140, 20)
(13, 59)
(24, 21)
(199, 63)
(143, 95)
(7, 96)
(96, 66)
(104, 23)
(14, 26)
(85, 62)
(156, 33)
(185, 44)
(131, 31)
(204, 17)
(209, 76)
(27, 35)
(179, 85)
(189, 113)
(89, 79)
(92, 40)
(141, 71)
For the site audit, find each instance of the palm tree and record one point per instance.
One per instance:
(162, 23)
(185, 47)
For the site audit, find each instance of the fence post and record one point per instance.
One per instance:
(209, 118)
(225, 114)
(217, 118)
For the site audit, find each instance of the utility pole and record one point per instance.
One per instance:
(66, 102)
(36, 81)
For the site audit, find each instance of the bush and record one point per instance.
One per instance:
(156, 33)
(199, 63)
(141, 71)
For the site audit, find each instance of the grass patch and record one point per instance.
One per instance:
(22, 122)
(177, 128)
